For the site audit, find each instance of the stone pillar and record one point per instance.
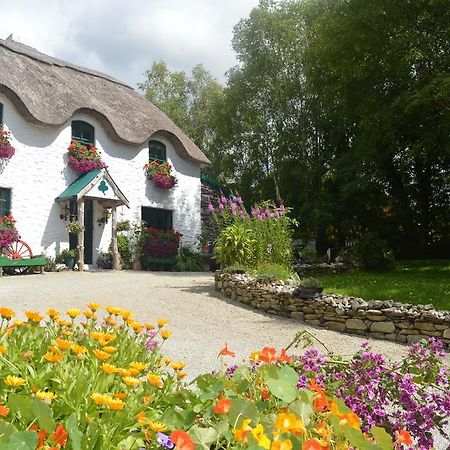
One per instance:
(81, 235)
(115, 251)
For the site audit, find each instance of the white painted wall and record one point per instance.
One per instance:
(38, 173)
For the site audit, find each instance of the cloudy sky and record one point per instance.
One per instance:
(123, 37)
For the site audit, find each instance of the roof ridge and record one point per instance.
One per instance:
(26, 50)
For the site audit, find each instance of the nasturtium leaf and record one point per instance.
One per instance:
(44, 415)
(22, 405)
(282, 389)
(241, 373)
(173, 419)
(383, 439)
(222, 427)
(303, 407)
(343, 408)
(22, 440)
(356, 439)
(289, 374)
(203, 436)
(270, 371)
(6, 429)
(240, 410)
(188, 417)
(131, 443)
(75, 434)
(243, 386)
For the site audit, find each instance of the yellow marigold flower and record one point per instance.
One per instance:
(18, 323)
(110, 321)
(138, 366)
(140, 418)
(124, 372)
(350, 419)
(46, 396)
(181, 375)
(157, 427)
(33, 316)
(67, 332)
(125, 314)
(155, 380)
(241, 433)
(289, 423)
(177, 365)
(73, 312)
(78, 349)
(63, 344)
(134, 372)
(147, 399)
(100, 399)
(94, 306)
(116, 403)
(34, 389)
(261, 438)
(6, 313)
(167, 361)
(53, 313)
(108, 368)
(131, 381)
(162, 322)
(63, 323)
(165, 334)
(254, 356)
(286, 444)
(113, 310)
(13, 381)
(53, 357)
(3, 349)
(89, 314)
(103, 356)
(149, 326)
(110, 349)
(120, 395)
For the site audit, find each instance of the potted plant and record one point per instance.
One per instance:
(69, 258)
(308, 288)
(75, 227)
(6, 149)
(136, 241)
(161, 174)
(8, 232)
(84, 158)
(159, 247)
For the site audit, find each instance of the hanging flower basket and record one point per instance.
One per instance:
(161, 174)
(6, 149)
(84, 158)
(8, 232)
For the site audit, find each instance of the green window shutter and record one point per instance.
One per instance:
(83, 132)
(5, 202)
(162, 219)
(1, 116)
(157, 151)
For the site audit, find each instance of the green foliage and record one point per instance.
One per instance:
(104, 260)
(123, 245)
(235, 245)
(189, 260)
(373, 253)
(310, 283)
(123, 225)
(272, 272)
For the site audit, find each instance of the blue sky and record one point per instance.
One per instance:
(123, 38)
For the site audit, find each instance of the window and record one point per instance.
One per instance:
(156, 150)
(83, 132)
(157, 218)
(1, 116)
(5, 202)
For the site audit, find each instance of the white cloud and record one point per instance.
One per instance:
(124, 38)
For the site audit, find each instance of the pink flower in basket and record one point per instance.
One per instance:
(161, 174)
(6, 149)
(84, 158)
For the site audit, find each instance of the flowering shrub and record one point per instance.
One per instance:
(260, 238)
(160, 243)
(83, 158)
(161, 174)
(6, 149)
(8, 232)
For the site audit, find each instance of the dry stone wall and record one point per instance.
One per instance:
(376, 318)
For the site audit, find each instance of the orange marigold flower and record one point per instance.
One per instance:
(120, 395)
(102, 356)
(4, 411)
(7, 313)
(268, 355)
(94, 306)
(63, 323)
(125, 314)
(138, 366)
(141, 418)
(147, 399)
(149, 326)
(89, 314)
(165, 334)
(53, 357)
(289, 423)
(33, 316)
(109, 349)
(157, 427)
(286, 444)
(108, 368)
(52, 313)
(3, 349)
(124, 372)
(350, 419)
(111, 322)
(131, 381)
(226, 352)
(177, 365)
(116, 404)
(155, 380)
(222, 406)
(60, 435)
(13, 381)
(73, 312)
(323, 430)
(315, 444)
(180, 374)
(46, 396)
(100, 399)
(63, 344)
(182, 440)
(162, 322)
(240, 434)
(78, 349)
(403, 437)
(113, 310)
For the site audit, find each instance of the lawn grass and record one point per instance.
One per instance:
(424, 281)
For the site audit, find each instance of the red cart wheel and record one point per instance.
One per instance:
(17, 250)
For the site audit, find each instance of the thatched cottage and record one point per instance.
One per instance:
(46, 103)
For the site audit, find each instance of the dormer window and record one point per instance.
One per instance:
(83, 132)
(1, 116)
(157, 151)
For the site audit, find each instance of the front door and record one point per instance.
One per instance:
(88, 228)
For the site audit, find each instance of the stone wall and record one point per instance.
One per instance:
(379, 319)
(321, 268)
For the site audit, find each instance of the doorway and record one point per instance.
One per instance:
(88, 228)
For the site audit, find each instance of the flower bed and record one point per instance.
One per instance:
(83, 158)
(105, 384)
(160, 243)
(6, 149)
(161, 174)
(8, 232)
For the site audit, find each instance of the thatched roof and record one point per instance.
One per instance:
(48, 91)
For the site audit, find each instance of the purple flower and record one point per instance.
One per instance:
(223, 200)
(221, 207)
(239, 200)
(276, 215)
(150, 344)
(282, 208)
(164, 440)
(210, 208)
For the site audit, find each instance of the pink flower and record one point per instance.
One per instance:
(210, 208)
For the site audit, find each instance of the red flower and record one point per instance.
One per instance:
(225, 351)
(41, 434)
(265, 394)
(312, 444)
(284, 357)
(182, 440)
(268, 355)
(403, 437)
(4, 411)
(222, 406)
(60, 435)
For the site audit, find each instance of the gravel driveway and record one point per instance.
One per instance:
(201, 319)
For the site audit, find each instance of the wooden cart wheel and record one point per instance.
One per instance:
(17, 250)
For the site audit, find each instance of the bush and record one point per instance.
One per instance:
(189, 261)
(373, 253)
(123, 245)
(105, 260)
(272, 273)
(160, 243)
